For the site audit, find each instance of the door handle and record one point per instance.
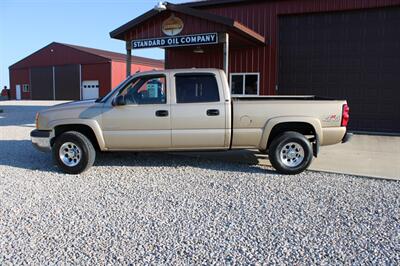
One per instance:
(162, 113)
(213, 112)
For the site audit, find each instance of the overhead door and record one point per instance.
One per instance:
(353, 55)
(42, 83)
(67, 82)
(90, 89)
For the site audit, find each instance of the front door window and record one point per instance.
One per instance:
(146, 90)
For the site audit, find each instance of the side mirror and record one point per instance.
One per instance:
(120, 100)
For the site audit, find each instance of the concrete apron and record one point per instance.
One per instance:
(367, 156)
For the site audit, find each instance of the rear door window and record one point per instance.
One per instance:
(196, 88)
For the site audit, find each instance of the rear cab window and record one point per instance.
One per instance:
(196, 88)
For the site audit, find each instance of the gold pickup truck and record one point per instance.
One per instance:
(190, 109)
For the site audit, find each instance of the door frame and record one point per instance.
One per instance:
(18, 95)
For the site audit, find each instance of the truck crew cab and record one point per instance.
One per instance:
(189, 109)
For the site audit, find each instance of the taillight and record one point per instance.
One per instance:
(345, 115)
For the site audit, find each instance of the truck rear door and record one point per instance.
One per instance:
(198, 112)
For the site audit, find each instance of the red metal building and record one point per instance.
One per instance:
(348, 49)
(70, 72)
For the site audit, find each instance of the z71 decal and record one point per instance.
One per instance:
(331, 118)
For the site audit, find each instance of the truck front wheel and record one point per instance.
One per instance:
(73, 152)
(290, 153)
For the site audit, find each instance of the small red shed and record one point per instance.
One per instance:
(70, 72)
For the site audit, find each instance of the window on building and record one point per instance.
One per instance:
(196, 88)
(146, 90)
(245, 83)
(25, 88)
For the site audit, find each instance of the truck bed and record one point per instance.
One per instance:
(250, 115)
(282, 97)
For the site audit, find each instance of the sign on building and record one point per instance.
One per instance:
(174, 41)
(172, 26)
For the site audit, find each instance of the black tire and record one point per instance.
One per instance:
(87, 154)
(278, 144)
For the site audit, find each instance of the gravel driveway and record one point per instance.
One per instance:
(170, 209)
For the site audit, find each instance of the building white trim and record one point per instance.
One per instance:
(244, 82)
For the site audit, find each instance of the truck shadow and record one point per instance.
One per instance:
(21, 154)
(166, 159)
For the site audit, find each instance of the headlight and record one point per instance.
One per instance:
(37, 120)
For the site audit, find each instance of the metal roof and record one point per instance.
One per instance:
(214, 2)
(230, 23)
(102, 54)
(113, 56)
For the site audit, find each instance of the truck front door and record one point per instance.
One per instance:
(198, 113)
(143, 123)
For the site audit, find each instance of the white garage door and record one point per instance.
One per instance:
(90, 89)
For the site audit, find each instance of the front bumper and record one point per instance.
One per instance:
(41, 139)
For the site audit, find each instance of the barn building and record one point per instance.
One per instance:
(70, 72)
(344, 49)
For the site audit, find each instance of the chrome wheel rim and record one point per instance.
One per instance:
(292, 154)
(70, 154)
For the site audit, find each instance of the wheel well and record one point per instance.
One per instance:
(301, 127)
(84, 129)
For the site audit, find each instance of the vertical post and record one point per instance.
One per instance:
(128, 58)
(225, 39)
(80, 82)
(54, 83)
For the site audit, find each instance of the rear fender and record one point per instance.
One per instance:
(271, 123)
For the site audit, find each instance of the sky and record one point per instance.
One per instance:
(28, 25)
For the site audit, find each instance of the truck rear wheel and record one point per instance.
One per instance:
(73, 152)
(290, 153)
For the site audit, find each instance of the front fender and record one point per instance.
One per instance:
(93, 124)
(271, 123)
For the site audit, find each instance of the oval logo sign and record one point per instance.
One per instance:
(172, 26)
